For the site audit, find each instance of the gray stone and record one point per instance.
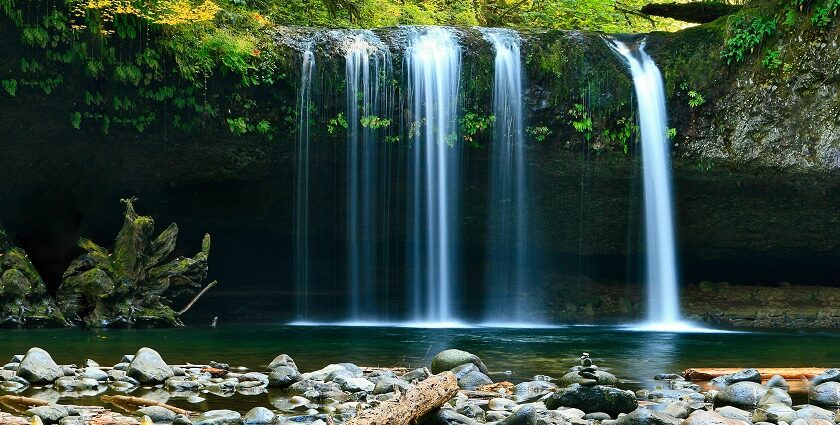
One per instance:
(775, 396)
(259, 416)
(677, 409)
(572, 377)
(182, 420)
(351, 384)
(471, 410)
(121, 366)
(283, 377)
(830, 375)
(218, 417)
(643, 416)
(148, 367)
(774, 413)
(419, 374)
(532, 389)
(49, 414)
(734, 413)
(473, 380)
(95, 374)
(157, 413)
(609, 400)
(741, 394)
(826, 394)
(255, 376)
(449, 359)
(71, 420)
(705, 417)
(38, 367)
(448, 417)
(525, 415)
(668, 377)
(282, 360)
(597, 416)
(387, 384)
(746, 375)
(814, 412)
(777, 381)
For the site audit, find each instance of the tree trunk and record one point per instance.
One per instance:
(410, 406)
(705, 374)
(695, 12)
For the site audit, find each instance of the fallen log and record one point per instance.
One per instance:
(706, 374)
(111, 418)
(407, 408)
(15, 402)
(137, 402)
(694, 12)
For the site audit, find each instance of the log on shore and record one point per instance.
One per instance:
(21, 404)
(406, 408)
(705, 374)
(695, 12)
(110, 418)
(136, 402)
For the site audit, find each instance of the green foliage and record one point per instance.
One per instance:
(374, 122)
(626, 128)
(10, 86)
(672, 133)
(771, 61)
(76, 120)
(744, 35)
(581, 121)
(695, 99)
(473, 124)
(539, 133)
(238, 126)
(824, 12)
(335, 123)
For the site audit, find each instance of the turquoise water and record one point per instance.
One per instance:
(516, 354)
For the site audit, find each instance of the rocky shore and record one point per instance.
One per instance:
(347, 393)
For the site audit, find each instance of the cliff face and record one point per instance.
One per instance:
(755, 166)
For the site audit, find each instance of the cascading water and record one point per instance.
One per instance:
(367, 71)
(508, 210)
(433, 64)
(663, 306)
(301, 217)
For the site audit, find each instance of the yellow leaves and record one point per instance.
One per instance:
(177, 12)
(161, 12)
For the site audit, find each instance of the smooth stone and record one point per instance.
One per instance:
(282, 360)
(11, 386)
(525, 415)
(147, 367)
(529, 390)
(283, 377)
(609, 400)
(386, 385)
(157, 413)
(322, 374)
(70, 420)
(38, 367)
(643, 416)
(449, 359)
(500, 403)
(218, 365)
(826, 394)
(814, 412)
(668, 377)
(473, 380)
(678, 409)
(777, 381)
(218, 417)
(17, 358)
(115, 375)
(121, 366)
(127, 358)
(471, 410)
(603, 378)
(181, 384)
(734, 413)
(255, 376)
(597, 416)
(774, 413)
(419, 374)
(181, 420)
(830, 375)
(741, 394)
(49, 414)
(259, 416)
(705, 417)
(746, 375)
(353, 385)
(91, 363)
(94, 373)
(11, 366)
(776, 396)
(464, 369)
(812, 421)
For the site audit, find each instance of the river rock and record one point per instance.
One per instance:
(677, 409)
(352, 384)
(448, 417)
(259, 416)
(705, 417)
(471, 410)
(49, 414)
(599, 398)
(38, 367)
(157, 413)
(532, 389)
(218, 417)
(572, 377)
(322, 374)
(808, 412)
(774, 413)
(450, 359)
(746, 375)
(94, 373)
(282, 360)
(500, 403)
(812, 421)
(147, 367)
(597, 416)
(525, 415)
(775, 396)
(826, 394)
(777, 381)
(734, 413)
(643, 416)
(255, 376)
(741, 394)
(283, 377)
(386, 385)
(473, 380)
(830, 375)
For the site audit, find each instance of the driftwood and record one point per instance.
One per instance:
(137, 402)
(397, 370)
(7, 419)
(14, 402)
(705, 374)
(484, 395)
(406, 408)
(111, 418)
(694, 12)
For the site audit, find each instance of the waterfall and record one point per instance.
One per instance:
(367, 71)
(433, 65)
(507, 258)
(663, 306)
(301, 215)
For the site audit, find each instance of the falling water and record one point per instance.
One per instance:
(301, 223)
(433, 63)
(367, 66)
(663, 307)
(508, 221)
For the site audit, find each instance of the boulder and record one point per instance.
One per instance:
(678, 409)
(826, 394)
(814, 412)
(525, 415)
(643, 416)
(572, 377)
(774, 413)
(532, 389)
(746, 375)
(609, 400)
(147, 367)
(741, 394)
(354, 385)
(218, 417)
(259, 416)
(387, 384)
(95, 374)
(157, 413)
(775, 396)
(705, 417)
(450, 359)
(38, 367)
(830, 375)
(777, 381)
(283, 377)
(49, 414)
(734, 413)
(473, 380)
(448, 417)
